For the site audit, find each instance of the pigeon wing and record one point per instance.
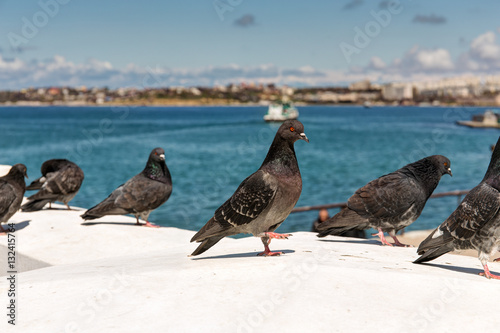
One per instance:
(251, 198)
(141, 194)
(479, 207)
(7, 197)
(385, 197)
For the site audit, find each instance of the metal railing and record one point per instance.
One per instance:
(458, 194)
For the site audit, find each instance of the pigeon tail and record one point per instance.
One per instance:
(33, 206)
(335, 231)
(434, 247)
(345, 220)
(206, 244)
(434, 253)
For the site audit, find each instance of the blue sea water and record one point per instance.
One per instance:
(210, 150)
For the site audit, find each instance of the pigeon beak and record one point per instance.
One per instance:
(304, 137)
(448, 171)
(162, 157)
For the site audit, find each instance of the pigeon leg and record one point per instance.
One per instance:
(266, 240)
(488, 274)
(382, 238)
(396, 240)
(2, 230)
(50, 205)
(69, 208)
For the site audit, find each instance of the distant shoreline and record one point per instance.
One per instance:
(189, 104)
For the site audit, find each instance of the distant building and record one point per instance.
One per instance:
(360, 85)
(397, 91)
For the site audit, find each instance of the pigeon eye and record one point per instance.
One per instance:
(156, 153)
(445, 164)
(292, 129)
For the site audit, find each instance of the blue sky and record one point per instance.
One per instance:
(207, 42)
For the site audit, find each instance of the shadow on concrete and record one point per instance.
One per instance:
(88, 224)
(240, 255)
(352, 241)
(17, 226)
(473, 271)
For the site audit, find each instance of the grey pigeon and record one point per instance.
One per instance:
(263, 200)
(61, 179)
(391, 202)
(141, 194)
(12, 188)
(475, 224)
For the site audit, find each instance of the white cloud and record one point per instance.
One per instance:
(482, 57)
(483, 54)
(376, 63)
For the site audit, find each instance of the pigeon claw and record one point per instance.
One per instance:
(487, 273)
(490, 276)
(497, 259)
(150, 225)
(269, 254)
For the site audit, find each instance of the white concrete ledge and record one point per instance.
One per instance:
(116, 277)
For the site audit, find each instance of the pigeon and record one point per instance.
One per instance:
(264, 199)
(12, 188)
(391, 202)
(475, 224)
(61, 179)
(140, 195)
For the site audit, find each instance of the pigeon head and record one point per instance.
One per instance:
(442, 163)
(19, 170)
(157, 155)
(292, 130)
(155, 167)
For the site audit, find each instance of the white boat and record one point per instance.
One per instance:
(281, 112)
(490, 119)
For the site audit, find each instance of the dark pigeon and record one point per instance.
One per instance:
(391, 202)
(12, 188)
(475, 224)
(141, 194)
(263, 200)
(61, 179)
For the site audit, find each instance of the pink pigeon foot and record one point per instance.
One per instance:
(398, 243)
(266, 240)
(487, 273)
(150, 225)
(268, 252)
(380, 234)
(147, 224)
